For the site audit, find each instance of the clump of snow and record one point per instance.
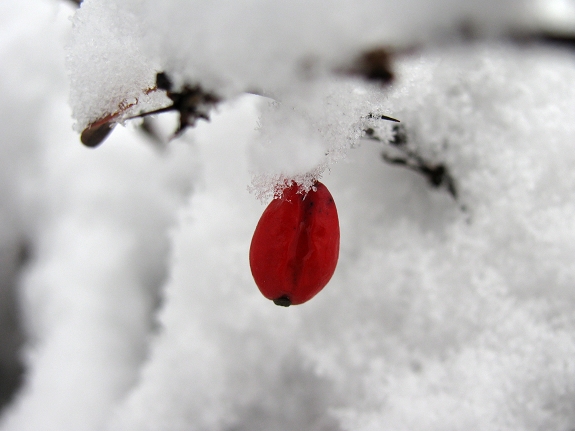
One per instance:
(288, 50)
(108, 70)
(300, 141)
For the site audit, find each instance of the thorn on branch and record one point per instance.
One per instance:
(373, 116)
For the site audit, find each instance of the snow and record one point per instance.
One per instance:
(558, 15)
(286, 50)
(137, 306)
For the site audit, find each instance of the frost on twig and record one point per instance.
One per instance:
(192, 103)
(397, 152)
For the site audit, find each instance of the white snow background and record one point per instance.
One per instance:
(129, 262)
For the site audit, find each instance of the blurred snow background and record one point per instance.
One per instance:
(126, 301)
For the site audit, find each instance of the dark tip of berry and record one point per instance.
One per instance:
(283, 301)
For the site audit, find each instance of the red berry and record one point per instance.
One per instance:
(295, 246)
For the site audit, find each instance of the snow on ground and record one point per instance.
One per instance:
(137, 303)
